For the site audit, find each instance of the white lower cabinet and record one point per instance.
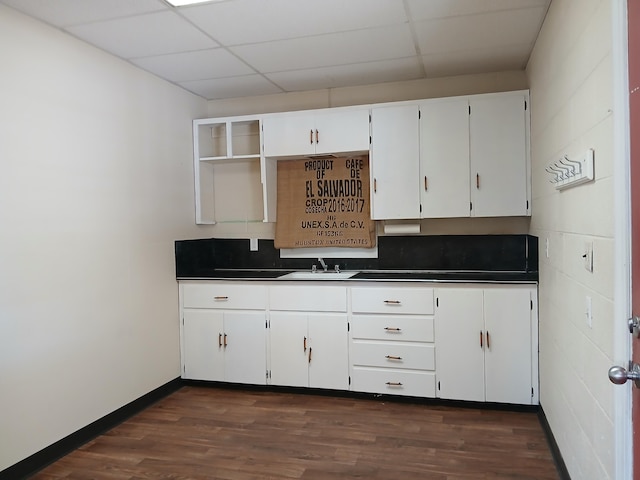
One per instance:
(470, 342)
(487, 340)
(220, 340)
(308, 336)
(391, 340)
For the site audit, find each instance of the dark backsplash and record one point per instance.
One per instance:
(510, 253)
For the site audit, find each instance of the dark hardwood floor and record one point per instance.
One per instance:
(219, 433)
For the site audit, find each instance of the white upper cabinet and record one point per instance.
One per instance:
(335, 130)
(498, 147)
(444, 158)
(394, 165)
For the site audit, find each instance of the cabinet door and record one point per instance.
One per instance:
(245, 354)
(444, 159)
(203, 354)
(459, 351)
(289, 349)
(508, 353)
(328, 354)
(342, 131)
(288, 134)
(498, 153)
(394, 162)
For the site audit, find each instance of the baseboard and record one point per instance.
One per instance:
(59, 449)
(553, 446)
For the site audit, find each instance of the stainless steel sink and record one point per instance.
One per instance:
(318, 275)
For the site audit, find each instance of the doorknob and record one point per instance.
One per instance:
(619, 375)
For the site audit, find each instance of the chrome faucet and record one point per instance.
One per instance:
(324, 265)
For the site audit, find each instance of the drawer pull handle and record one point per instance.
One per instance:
(425, 183)
(394, 384)
(219, 298)
(225, 340)
(481, 342)
(311, 137)
(310, 354)
(317, 137)
(393, 302)
(393, 329)
(219, 339)
(392, 357)
(304, 344)
(488, 341)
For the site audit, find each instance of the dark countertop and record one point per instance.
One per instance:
(378, 276)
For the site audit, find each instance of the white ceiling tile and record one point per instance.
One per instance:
(513, 57)
(283, 19)
(333, 49)
(199, 65)
(477, 31)
(232, 87)
(432, 9)
(63, 13)
(348, 75)
(144, 35)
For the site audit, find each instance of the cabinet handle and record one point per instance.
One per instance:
(225, 340)
(309, 354)
(304, 344)
(220, 298)
(219, 339)
(317, 137)
(488, 341)
(393, 329)
(425, 183)
(477, 180)
(392, 357)
(393, 302)
(311, 136)
(375, 185)
(394, 384)
(481, 342)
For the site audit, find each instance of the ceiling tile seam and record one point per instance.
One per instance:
(480, 14)
(229, 51)
(414, 38)
(109, 19)
(333, 65)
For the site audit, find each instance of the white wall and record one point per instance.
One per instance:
(96, 183)
(388, 92)
(571, 82)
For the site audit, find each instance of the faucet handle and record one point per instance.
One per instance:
(337, 268)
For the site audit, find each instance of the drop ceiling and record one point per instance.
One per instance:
(241, 48)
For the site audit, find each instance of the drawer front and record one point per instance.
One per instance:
(315, 298)
(404, 300)
(224, 296)
(390, 327)
(393, 382)
(393, 355)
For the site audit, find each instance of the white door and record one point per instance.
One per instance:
(328, 354)
(508, 356)
(394, 162)
(498, 154)
(342, 131)
(459, 344)
(289, 349)
(444, 158)
(288, 134)
(203, 349)
(245, 353)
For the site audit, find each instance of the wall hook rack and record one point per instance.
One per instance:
(567, 172)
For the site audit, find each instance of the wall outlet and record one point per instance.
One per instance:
(587, 256)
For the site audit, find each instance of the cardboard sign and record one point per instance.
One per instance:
(324, 203)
